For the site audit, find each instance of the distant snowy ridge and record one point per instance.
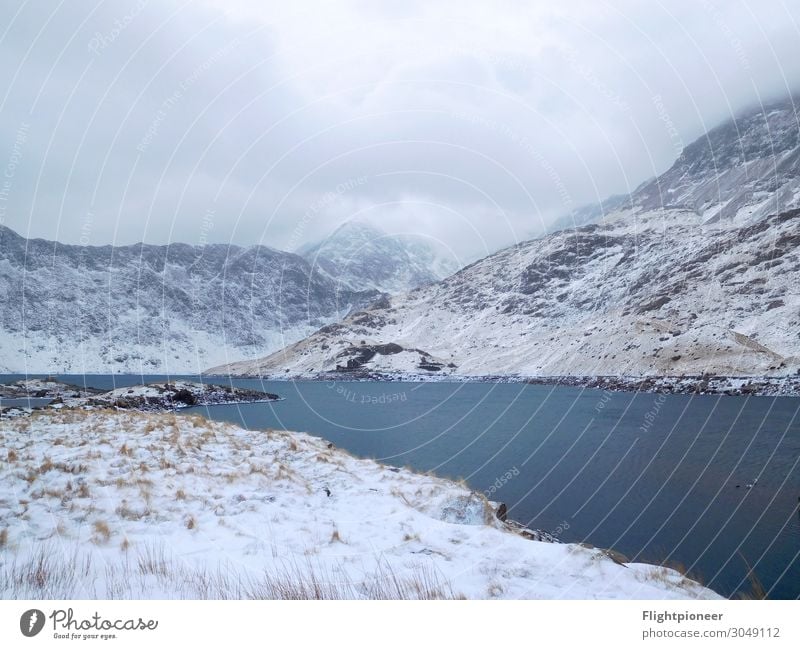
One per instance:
(154, 309)
(179, 308)
(153, 506)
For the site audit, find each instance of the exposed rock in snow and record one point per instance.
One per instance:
(171, 396)
(46, 388)
(156, 397)
(143, 505)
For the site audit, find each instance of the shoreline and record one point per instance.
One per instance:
(706, 384)
(757, 386)
(163, 397)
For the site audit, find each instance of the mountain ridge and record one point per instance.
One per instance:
(697, 283)
(154, 308)
(728, 167)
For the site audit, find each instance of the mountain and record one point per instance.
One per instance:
(155, 309)
(696, 272)
(739, 172)
(359, 256)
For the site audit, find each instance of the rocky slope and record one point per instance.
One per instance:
(358, 256)
(696, 273)
(738, 173)
(155, 309)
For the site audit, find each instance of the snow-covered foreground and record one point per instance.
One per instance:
(104, 504)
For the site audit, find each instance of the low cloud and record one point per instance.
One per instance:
(463, 122)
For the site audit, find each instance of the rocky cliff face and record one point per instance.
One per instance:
(155, 309)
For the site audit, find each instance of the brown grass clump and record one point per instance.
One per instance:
(3, 538)
(180, 494)
(124, 511)
(191, 522)
(12, 455)
(102, 533)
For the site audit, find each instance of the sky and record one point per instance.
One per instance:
(472, 124)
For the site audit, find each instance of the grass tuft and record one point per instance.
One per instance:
(102, 533)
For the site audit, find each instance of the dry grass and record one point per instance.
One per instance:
(50, 574)
(130, 514)
(757, 590)
(3, 538)
(12, 455)
(102, 533)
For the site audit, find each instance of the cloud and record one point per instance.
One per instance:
(466, 122)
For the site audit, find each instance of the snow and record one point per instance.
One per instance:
(154, 309)
(658, 295)
(142, 505)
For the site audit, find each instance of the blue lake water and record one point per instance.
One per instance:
(656, 477)
(26, 402)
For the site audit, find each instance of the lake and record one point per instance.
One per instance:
(707, 482)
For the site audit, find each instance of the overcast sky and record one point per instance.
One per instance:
(473, 123)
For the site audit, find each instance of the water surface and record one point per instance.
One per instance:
(656, 477)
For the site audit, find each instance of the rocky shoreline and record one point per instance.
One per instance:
(705, 384)
(151, 397)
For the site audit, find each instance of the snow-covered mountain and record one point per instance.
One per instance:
(696, 272)
(737, 173)
(359, 256)
(155, 309)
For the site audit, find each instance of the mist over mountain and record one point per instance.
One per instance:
(360, 256)
(739, 172)
(694, 272)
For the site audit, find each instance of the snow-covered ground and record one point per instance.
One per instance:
(141, 505)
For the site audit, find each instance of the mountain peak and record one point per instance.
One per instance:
(360, 254)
